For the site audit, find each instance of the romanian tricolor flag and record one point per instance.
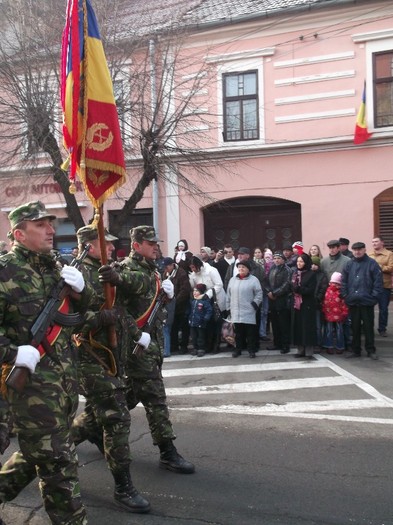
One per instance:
(91, 128)
(361, 132)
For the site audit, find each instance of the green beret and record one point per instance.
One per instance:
(90, 233)
(144, 233)
(30, 211)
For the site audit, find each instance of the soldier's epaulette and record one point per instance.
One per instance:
(6, 258)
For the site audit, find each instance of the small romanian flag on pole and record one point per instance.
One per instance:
(361, 132)
(91, 127)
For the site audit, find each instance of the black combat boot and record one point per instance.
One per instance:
(170, 459)
(127, 495)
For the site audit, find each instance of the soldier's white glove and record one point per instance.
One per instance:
(144, 340)
(167, 286)
(27, 357)
(73, 277)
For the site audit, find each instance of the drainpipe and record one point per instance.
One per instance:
(152, 52)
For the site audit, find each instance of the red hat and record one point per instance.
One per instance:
(299, 246)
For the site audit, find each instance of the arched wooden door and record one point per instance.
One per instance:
(251, 222)
(383, 217)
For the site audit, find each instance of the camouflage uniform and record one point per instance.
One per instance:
(144, 379)
(44, 411)
(106, 419)
(144, 383)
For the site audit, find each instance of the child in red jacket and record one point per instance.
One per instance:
(335, 312)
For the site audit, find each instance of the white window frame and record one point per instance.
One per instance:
(238, 63)
(374, 46)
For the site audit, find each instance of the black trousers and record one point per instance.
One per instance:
(362, 317)
(245, 337)
(281, 327)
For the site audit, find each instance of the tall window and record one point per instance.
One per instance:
(383, 89)
(241, 106)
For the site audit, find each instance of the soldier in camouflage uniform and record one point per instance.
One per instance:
(101, 382)
(138, 283)
(44, 410)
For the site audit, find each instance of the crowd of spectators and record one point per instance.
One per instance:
(292, 296)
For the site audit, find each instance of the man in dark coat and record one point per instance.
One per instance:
(361, 288)
(181, 283)
(277, 285)
(223, 259)
(344, 244)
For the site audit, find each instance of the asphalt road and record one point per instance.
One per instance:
(274, 441)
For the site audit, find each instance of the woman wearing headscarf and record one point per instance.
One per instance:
(304, 282)
(183, 255)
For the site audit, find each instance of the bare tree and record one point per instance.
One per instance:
(156, 87)
(29, 87)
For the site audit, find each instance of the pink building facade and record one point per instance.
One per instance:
(280, 109)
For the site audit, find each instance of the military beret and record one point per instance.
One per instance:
(334, 242)
(144, 233)
(90, 233)
(344, 241)
(30, 211)
(358, 245)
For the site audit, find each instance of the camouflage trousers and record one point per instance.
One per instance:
(43, 414)
(106, 414)
(144, 383)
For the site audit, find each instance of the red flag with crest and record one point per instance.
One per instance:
(91, 127)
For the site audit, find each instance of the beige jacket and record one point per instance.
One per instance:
(385, 260)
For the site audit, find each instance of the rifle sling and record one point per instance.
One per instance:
(88, 347)
(68, 319)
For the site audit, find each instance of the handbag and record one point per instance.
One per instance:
(216, 309)
(228, 332)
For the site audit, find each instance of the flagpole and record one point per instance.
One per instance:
(108, 289)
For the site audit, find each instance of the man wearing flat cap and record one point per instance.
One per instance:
(277, 286)
(44, 410)
(105, 420)
(361, 287)
(384, 258)
(335, 261)
(344, 247)
(138, 285)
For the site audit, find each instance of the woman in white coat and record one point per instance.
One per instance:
(244, 295)
(205, 273)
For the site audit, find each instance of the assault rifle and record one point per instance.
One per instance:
(49, 316)
(147, 327)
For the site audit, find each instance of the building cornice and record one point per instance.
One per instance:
(371, 36)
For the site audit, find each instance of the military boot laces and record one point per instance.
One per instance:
(170, 459)
(127, 495)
